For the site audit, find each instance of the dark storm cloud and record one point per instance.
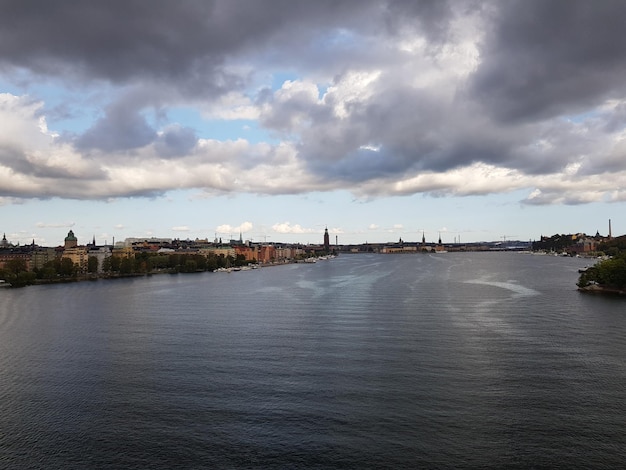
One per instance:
(183, 42)
(423, 86)
(176, 141)
(432, 17)
(542, 58)
(115, 41)
(121, 128)
(616, 120)
(16, 160)
(410, 130)
(538, 59)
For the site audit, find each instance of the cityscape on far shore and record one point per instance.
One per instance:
(32, 264)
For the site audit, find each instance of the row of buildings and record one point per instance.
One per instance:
(35, 257)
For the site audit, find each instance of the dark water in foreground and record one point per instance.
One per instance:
(364, 361)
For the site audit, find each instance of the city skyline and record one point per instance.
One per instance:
(379, 120)
(233, 239)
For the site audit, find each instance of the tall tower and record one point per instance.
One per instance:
(326, 241)
(70, 241)
(610, 233)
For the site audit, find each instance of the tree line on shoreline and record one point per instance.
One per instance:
(63, 269)
(608, 275)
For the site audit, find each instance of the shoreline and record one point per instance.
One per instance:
(597, 289)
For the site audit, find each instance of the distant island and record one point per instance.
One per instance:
(608, 276)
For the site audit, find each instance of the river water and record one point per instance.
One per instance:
(487, 360)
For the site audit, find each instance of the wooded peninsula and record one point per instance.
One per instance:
(608, 276)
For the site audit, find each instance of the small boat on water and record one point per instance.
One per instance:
(4, 283)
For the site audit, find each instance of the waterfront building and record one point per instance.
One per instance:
(288, 252)
(123, 252)
(224, 250)
(6, 256)
(399, 249)
(326, 241)
(78, 255)
(41, 256)
(249, 253)
(100, 253)
(267, 254)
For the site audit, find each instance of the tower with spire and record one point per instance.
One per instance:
(326, 241)
(4, 243)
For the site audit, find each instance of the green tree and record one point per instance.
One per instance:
(211, 262)
(230, 261)
(190, 266)
(67, 268)
(610, 273)
(16, 266)
(174, 261)
(92, 264)
(158, 262)
(126, 266)
(116, 262)
(25, 278)
(48, 272)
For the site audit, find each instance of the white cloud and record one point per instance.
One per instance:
(55, 224)
(287, 227)
(231, 106)
(352, 88)
(235, 229)
(181, 228)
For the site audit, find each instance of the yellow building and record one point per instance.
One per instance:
(218, 250)
(78, 255)
(123, 252)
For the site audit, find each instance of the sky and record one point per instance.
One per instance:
(379, 120)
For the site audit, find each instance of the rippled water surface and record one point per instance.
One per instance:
(364, 361)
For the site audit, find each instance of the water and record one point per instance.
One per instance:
(364, 361)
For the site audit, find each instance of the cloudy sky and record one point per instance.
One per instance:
(377, 119)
